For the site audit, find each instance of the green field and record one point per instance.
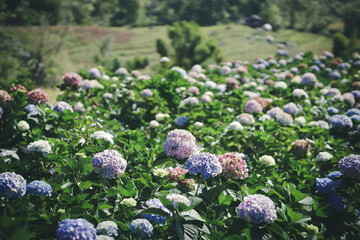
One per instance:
(236, 42)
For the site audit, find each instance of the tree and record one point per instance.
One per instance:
(189, 47)
(127, 13)
(339, 43)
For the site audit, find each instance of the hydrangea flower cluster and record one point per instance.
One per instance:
(6, 155)
(38, 188)
(157, 219)
(274, 111)
(42, 146)
(178, 198)
(107, 228)
(324, 157)
(176, 173)
(38, 96)
(335, 174)
(109, 163)
(79, 107)
(300, 148)
(257, 209)
(94, 72)
(142, 227)
(72, 79)
(160, 172)
(181, 120)
(19, 88)
(207, 164)
(325, 185)
(31, 108)
(267, 160)
(4, 96)
(80, 229)
(147, 93)
(232, 83)
(194, 90)
(291, 108)
(350, 166)
(104, 237)
(89, 84)
(308, 79)
(62, 106)
(340, 121)
(12, 185)
(180, 144)
(245, 118)
(284, 118)
(187, 184)
(234, 165)
(129, 202)
(102, 135)
(253, 106)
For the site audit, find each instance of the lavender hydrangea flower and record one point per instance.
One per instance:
(102, 135)
(191, 100)
(109, 163)
(175, 199)
(291, 108)
(325, 185)
(245, 118)
(207, 164)
(12, 185)
(38, 188)
(157, 219)
(332, 110)
(62, 106)
(142, 227)
(314, 68)
(32, 108)
(253, 106)
(147, 93)
(334, 175)
(350, 166)
(323, 124)
(284, 118)
(335, 75)
(257, 209)
(336, 202)
(308, 79)
(274, 111)
(353, 111)
(356, 94)
(340, 121)
(80, 229)
(95, 73)
(108, 228)
(180, 144)
(79, 107)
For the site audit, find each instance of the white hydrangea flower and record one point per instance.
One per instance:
(160, 117)
(300, 121)
(267, 160)
(154, 124)
(102, 135)
(235, 126)
(198, 124)
(23, 126)
(324, 157)
(42, 146)
(129, 202)
(160, 172)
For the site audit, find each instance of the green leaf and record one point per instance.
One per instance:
(307, 201)
(191, 232)
(179, 230)
(104, 206)
(192, 215)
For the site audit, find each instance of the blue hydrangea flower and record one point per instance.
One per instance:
(207, 164)
(356, 94)
(291, 108)
(332, 110)
(142, 227)
(325, 185)
(350, 166)
(108, 228)
(12, 185)
(32, 108)
(109, 163)
(157, 219)
(355, 118)
(62, 106)
(38, 188)
(335, 75)
(340, 121)
(314, 68)
(353, 111)
(334, 174)
(336, 202)
(257, 209)
(80, 229)
(180, 121)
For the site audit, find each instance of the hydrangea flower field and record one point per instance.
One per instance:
(243, 150)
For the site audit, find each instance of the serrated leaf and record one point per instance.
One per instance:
(192, 215)
(191, 232)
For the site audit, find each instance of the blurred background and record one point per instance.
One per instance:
(40, 40)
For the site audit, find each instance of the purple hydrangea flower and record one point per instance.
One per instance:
(191, 100)
(147, 93)
(308, 79)
(340, 121)
(38, 188)
(80, 229)
(79, 107)
(350, 166)
(157, 219)
(335, 75)
(334, 174)
(95, 73)
(142, 227)
(207, 164)
(257, 209)
(72, 79)
(12, 185)
(336, 202)
(109, 163)
(274, 111)
(180, 121)
(108, 228)
(180, 144)
(291, 108)
(314, 68)
(253, 106)
(62, 106)
(325, 185)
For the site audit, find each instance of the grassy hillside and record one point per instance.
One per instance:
(81, 43)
